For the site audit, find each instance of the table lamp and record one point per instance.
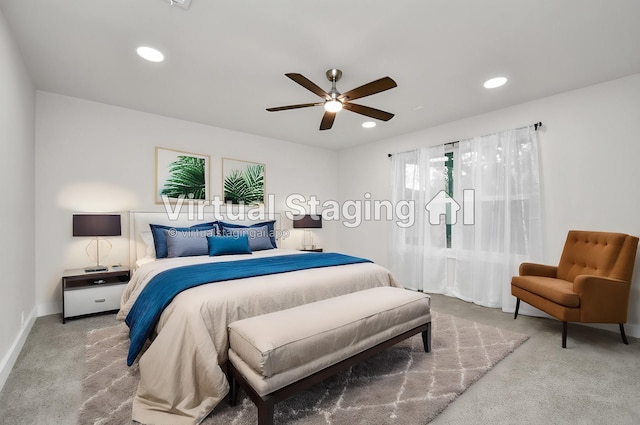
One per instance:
(306, 222)
(96, 225)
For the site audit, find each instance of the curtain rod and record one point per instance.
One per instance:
(536, 126)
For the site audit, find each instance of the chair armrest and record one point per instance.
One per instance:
(532, 269)
(602, 299)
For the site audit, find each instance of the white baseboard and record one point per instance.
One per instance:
(9, 360)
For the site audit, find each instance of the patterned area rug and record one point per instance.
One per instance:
(401, 385)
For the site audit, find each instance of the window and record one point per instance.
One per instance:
(441, 171)
(489, 187)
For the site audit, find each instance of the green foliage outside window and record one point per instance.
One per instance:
(449, 189)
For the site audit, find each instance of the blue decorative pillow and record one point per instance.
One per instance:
(228, 245)
(187, 244)
(270, 228)
(258, 236)
(213, 224)
(160, 238)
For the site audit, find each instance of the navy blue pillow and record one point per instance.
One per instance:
(213, 224)
(270, 227)
(160, 237)
(228, 245)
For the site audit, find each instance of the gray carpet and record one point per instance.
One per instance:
(402, 385)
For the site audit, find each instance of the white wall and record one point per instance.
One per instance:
(17, 119)
(92, 157)
(590, 146)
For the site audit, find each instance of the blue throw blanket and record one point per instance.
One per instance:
(163, 287)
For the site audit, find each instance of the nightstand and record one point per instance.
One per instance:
(92, 292)
(311, 250)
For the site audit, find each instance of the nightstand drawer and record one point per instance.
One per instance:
(94, 299)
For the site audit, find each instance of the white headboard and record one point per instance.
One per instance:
(139, 222)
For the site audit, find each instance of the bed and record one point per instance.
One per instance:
(182, 375)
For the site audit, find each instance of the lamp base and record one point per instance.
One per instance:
(97, 268)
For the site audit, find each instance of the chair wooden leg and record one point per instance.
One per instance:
(564, 334)
(515, 316)
(624, 335)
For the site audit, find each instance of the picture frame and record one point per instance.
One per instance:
(243, 182)
(181, 174)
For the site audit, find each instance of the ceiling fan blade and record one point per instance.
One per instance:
(327, 120)
(367, 111)
(308, 84)
(373, 87)
(301, 105)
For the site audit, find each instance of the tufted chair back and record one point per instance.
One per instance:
(597, 253)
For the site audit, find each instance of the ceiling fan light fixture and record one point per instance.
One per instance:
(333, 106)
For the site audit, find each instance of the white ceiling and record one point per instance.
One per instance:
(226, 59)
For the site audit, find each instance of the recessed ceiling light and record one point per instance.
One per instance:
(150, 54)
(368, 124)
(495, 82)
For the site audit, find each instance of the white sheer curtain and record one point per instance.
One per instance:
(502, 170)
(418, 252)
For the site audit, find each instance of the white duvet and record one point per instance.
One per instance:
(181, 380)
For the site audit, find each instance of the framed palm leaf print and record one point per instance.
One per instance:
(181, 175)
(243, 182)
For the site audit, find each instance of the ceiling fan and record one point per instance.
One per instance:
(334, 101)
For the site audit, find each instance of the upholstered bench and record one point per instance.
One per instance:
(275, 355)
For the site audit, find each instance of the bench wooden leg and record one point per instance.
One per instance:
(233, 392)
(265, 411)
(426, 338)
(265, 404)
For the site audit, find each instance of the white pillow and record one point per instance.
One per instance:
(147, 238)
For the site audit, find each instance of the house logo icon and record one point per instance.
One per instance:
(444, 205)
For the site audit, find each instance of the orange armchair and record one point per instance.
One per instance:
(591, 284)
